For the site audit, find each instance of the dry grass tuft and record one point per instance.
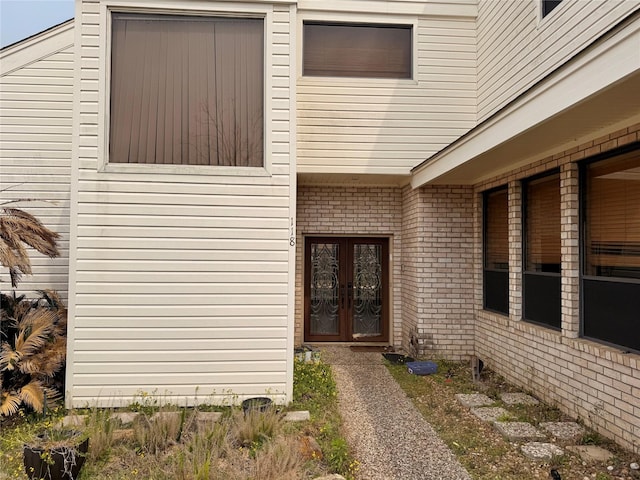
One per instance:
(254, 428)
(280, 460)
(101, 429)
(156, 433)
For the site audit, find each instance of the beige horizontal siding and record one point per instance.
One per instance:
(36, 97)
(386, 126)
(516, 49)
(180, 278)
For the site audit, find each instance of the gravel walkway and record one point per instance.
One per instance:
(390, 438)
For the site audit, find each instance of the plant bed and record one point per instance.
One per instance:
(234, 446)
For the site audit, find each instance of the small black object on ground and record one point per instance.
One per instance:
(398, 358)
(256, 404)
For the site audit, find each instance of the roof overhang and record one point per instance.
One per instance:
(597, 90)
(35, 47)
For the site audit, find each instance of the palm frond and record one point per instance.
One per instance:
(52, 396)
(30, 231)
(51, 299)
(9, 358)
(33, 395)
(9, 403)
(48, 361)
(12, 259)
(35, 331)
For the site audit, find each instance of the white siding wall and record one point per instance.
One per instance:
(181, 281)
(516, 48)
(36, 93)
(386, 126)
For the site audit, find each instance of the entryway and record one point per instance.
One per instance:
(346, 289)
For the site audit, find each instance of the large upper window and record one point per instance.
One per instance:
(496, 251)
(611, 250)
(357, 50)
(186, 90)
(542, 250)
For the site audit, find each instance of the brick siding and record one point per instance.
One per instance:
(594, 382)
(351, 211)
(437, 267)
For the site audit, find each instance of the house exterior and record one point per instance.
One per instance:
(456, 178)
(36, 103)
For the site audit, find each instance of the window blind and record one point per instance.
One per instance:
(357, 50)
(612, 246)
(497, 230)
(542, 224)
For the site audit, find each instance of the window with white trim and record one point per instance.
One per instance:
(334, 49)
(186, 90)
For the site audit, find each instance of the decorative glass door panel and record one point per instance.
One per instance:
(324, 290)
(367, 290)
(346, 289)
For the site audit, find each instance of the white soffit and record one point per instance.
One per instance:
(597, 90)
(352, 179)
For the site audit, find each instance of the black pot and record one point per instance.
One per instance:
(60, 463)
(256, 404)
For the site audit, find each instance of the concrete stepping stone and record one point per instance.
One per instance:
(205, 420)
(166, 416)
(541, 451)
(565, 431)
(124, 417)
(471, 400)
(72, 421)
(489, 414)
(518, 399)
(519, 431)
(299, 416)
(591, 453)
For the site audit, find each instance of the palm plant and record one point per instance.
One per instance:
(33, 352)
(32, 333)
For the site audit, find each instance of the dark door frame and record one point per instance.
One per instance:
(346, 288)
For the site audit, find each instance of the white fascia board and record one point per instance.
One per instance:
(193, 6)
(607, 63)
(35, 48)
(452, 8)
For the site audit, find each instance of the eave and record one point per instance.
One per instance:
(596, 90)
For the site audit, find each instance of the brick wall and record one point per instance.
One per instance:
(596, 383)
(432, 261)
(412, 252)
(351, 211)
(437, 262)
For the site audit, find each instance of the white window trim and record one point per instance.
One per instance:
(357, 18)
(237, 10)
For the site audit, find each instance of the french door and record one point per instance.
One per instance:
(346, 289)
